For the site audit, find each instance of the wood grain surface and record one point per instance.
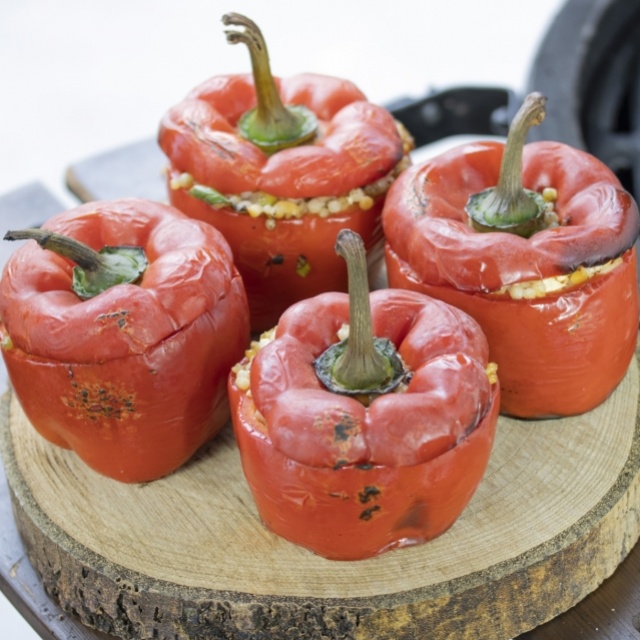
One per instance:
(187, 556)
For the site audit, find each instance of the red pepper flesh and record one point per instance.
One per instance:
(134, 379)
(558, 355)
(270, 260)
(349, 481)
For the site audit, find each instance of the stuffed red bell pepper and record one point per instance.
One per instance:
(353, 446)
(544, 261)
(124, 357)
(279, 166)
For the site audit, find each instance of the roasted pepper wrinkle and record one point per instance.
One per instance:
(360, 141)
(426, 224)
(191, 271)
(432, 248)
(133, 379)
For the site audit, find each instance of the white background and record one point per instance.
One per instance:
(81, 77)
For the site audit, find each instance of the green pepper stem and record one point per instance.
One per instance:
(360, 366)
(97, 271)
(366, 364)
(530, 114)
(271, 126)
(70, 248)
(270, 105)
(508, 206)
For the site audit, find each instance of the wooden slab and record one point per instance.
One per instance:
(187, 556)
(135, 170)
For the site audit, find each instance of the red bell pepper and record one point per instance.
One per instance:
(281, 201)
(132, 378)
(337, 460)
(558, 297)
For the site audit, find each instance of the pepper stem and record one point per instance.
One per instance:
(97, 271)
(271, 125)
(361, 364)
(508, 206)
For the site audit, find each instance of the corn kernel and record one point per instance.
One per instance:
(366, 203)
(266, 199)
(343, 332)
(183, 181)
(266, 337)
(315, 205)
(243, 380)
(285, 209)
(492, 372)
(254, 210)
(356, 195)
(578, 276)
(335, 206)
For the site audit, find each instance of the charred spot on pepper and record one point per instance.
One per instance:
(365, 466)
(369, 493)
(98, 401)
(276, 260)
(369, 512)
(120, 318)
(344, 430)
(341, 462)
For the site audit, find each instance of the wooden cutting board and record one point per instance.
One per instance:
(187, 557)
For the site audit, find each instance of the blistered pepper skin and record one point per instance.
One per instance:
(349, 482)
(133, 380)
(357, 144)
(558, 355)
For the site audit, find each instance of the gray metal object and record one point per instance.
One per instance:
(588, 65)
(455, 111)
